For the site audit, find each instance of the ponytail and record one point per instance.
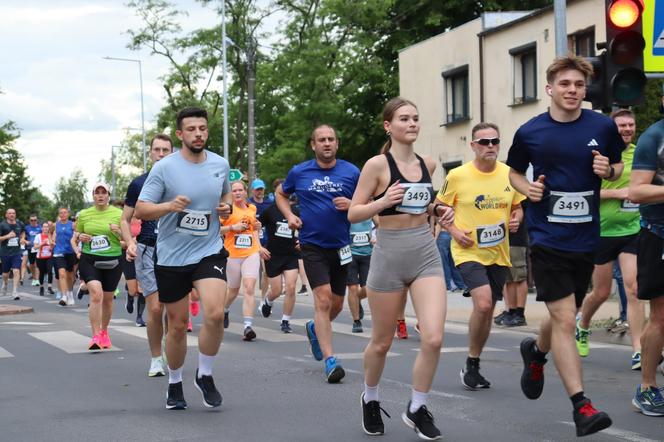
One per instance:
(386, 147)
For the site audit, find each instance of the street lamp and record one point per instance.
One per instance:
(224, 66)
(140, 75)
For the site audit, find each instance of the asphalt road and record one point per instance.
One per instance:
(52, 389)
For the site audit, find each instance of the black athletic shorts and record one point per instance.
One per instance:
(278, 264)
(67, 262)
(128, 267)
(558, 274)
(650, 266)
(174, 283)
(108, 277)
(476, 275)
(322, 267)
(611, 246)
(358, 270)
(32, 257)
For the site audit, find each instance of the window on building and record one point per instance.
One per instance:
(456, 94)
(582, 43)
(524, 60)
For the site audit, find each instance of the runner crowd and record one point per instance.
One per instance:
(187, 239)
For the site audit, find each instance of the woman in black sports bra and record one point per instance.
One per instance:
(396, 186)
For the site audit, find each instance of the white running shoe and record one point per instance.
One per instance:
(63, 300)
(157, 368)
(70, 299)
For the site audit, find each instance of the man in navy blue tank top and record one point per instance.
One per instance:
(324, 187)
(571, 151)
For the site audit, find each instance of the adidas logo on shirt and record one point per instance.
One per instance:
(593, 143)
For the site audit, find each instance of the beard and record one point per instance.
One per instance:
(194, 149)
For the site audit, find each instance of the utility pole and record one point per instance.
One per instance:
(560, 23)
(113, 171)
(251, 126)
(225, 74)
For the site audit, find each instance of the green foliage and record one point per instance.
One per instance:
(648, 113)
(128, 164)
(71, 192)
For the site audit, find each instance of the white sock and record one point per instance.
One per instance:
(370, 393)
(174, 375)
(157, 359)
(227, 309)
(248, 320)
(417, 400)
(268, 302)
(285, 317)
(205, 365)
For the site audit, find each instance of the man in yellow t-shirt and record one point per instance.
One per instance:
(486, 206)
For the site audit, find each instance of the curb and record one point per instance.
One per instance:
(8, 309)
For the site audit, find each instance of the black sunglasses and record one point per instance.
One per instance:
(487, 141)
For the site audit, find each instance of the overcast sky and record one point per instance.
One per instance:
(69, 103)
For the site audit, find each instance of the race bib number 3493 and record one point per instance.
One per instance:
(193, 222)
(571, 207)
(416, 198)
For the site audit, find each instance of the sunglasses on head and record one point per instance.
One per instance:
(487, 141)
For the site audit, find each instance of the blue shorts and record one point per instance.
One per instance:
(11, 262)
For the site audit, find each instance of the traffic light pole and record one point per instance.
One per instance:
(560, 20)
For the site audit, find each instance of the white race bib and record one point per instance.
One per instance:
(283, 231)
(628, 206)
(361, 239)
(12, 242)
(345, 256)
(243, 241)
(416, 198)
(100, 243)
(570, 207)
(492, 235)
(194, 222)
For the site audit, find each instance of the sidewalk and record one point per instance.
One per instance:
(14, 309)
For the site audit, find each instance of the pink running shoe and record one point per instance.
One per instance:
(190, 326)
(94, 343)
(194, 307)
(104, 339)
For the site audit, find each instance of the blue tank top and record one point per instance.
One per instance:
(63, 234)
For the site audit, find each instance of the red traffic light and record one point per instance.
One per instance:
(624, 13)
(627, 47)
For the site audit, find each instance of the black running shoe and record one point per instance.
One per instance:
(466, 293)
(588, 420)
(422, 422)
(175, 397)
(361, 311)
(226, 321)
(129, 304)
(17, 297)
(41, 291)
(515, 320)
(303, 290)
(372, 421)
(265, 309)
(50, 291)
(471, 377)
(357, 327)
(532, 378)
(211, 396)
(498, 320)
(285, 327)
(249, 334)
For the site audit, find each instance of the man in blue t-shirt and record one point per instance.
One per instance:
(12, 237)
(324, 187)
(571, 150)
(646, 187)
(141, 251)
(187, 192)
(31, 230)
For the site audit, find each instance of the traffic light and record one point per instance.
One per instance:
(596, 91)
(624, 52)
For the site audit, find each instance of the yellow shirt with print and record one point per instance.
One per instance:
(481, 201)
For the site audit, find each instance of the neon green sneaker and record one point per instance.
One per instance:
(582, 340)
(116, 293)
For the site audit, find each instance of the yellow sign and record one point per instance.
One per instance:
(653, 33)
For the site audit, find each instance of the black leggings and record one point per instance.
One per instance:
(45, 267)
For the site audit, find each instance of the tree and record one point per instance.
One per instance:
(128, 164)
(648, 113)
(71, 192)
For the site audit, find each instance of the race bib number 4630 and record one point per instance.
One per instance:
(100, 243)
(193, 222)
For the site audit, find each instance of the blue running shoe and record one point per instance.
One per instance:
(334, 372)
(649, 402)
(313, 341)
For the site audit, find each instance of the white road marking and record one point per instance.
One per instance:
(266, 334)
(80, 310)
(141, 332)
(360, 355)
(67, 341)
(620, 434)
(25, 323)
(344, 329)
(462, 349)
(122, 321)
(5, 354)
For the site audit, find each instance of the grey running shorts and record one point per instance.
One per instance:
(401, 256)
(144, 264)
